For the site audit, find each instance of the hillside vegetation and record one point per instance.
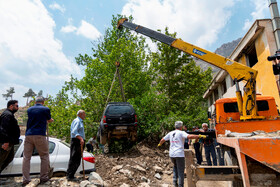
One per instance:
(163, 86)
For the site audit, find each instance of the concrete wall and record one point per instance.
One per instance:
(261, 36)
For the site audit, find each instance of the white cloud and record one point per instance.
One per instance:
(56, 6)
(30, 54)
(197, 22)
(86, 30)
(68, 29)
(89, 31)
(259, 13)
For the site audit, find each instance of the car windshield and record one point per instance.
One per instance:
(119, 110)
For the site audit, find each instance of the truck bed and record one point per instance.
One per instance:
(262, 148)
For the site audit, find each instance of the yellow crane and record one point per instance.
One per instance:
(247, 103)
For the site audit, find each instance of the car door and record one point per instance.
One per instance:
(15, 167)
(17, 151)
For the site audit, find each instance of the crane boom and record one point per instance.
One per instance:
(238, 72)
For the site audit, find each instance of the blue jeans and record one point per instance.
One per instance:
(178, 170)
(210, 149)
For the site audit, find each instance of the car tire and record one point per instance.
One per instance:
(103, 139)
(134, 138)
(59, 174)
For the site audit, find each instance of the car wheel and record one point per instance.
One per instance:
(134, 138)
(59, 174)
(103, 139)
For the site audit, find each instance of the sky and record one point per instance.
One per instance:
(39, 40)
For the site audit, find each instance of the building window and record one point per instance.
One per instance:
(216, 94)
(252, 58)
(224, 86)
(211, 100)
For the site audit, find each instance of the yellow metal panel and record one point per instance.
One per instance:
(266, 80)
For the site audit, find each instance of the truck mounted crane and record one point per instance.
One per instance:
(251, 114)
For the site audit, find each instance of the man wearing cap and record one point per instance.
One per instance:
(176, 151)
(35, 137)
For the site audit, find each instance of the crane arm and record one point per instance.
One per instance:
(247, 105)
(236, 70)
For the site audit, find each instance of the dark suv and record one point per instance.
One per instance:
(119, 121)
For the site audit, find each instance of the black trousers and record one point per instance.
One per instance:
(89, 148)
(6, 156)
(197, 153)
(75, 157)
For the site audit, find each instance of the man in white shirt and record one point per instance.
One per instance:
(176, 151)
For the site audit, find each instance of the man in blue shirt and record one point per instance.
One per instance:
(77, 141)
(35, 137)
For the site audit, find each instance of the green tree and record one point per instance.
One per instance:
(29, 93)
(90, 93)
(9, 93)
(183, 83)
(40, 93)
(163, 87)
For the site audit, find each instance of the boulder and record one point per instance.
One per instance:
(117, 168)
(84, 183)
(157, 176)
(157, 169)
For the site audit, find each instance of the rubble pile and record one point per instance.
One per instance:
(141, 166)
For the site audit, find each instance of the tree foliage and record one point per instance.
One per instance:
(40, 93)
(9, 93)
(163, 86)
(28, 94)
(183, 83)
(90, 93)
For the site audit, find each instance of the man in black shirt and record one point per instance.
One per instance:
(276, 62)
(9, 134)
(209, 147)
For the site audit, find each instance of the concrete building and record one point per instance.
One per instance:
(259, 42)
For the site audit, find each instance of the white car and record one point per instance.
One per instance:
(59, 153)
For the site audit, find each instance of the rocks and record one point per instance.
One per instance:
(84, 183)
(124, 185)
(117, 168)
(144, 179)
(166, 152)
(157, 169)
(157, 176)
(168, 172)
(143, 185)
(139, 168)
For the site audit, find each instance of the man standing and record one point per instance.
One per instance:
(209, 147)
(186, 144)
(9, 134)
(176, 151)
(35, 136)
(77, 143)
(196, 146)
(91, 144)
(276, 63)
